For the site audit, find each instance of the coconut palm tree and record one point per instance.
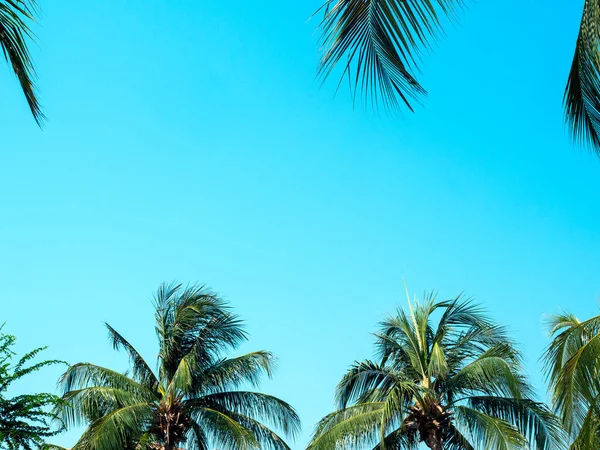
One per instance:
(445, 376)
(378, 43)
(573, 369)
(193, 400)
(15, 16)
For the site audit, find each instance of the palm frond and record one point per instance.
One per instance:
(224, 429)
(488, 431)
(493, 373)
(15, 16)
(379, 43)
(570, 364)
(231, 373)
(197, 439)
(254, 405)
(115, 428)
(455, 440)
(89, 404)
(141, 370)
(582, 93)
(534, 420)
(267, 439)
(84, 375)
(350, 428)
(588, 435)
(362, 378)
(193, 320)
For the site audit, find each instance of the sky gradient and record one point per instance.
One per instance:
(190, 141)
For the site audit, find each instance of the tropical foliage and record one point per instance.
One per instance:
(445, 376)
(15, 16)
(25, 420)
(193, 400)
(573, 368)
(379, 44)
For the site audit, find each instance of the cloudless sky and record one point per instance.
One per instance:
(190, 141)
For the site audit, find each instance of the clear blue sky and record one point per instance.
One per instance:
(189, 140)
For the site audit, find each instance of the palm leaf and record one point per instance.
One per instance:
(582, 94)
(14, 34)
(378, 43)
(351, 428)
(534, 420)
(255, 405)
(141, 369)
(224, 429)
(488, 431)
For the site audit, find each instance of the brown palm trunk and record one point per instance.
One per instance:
(433, 439)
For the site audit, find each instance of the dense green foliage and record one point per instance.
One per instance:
(193, 400)
(573, 368)
(446, 376)
(25, 420)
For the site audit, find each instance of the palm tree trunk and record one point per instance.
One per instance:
(433, 439)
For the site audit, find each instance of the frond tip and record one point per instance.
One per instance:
(14, 34)
(382, 41)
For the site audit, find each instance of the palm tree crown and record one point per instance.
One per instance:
(572, 363)
(193, 400)
(456, 385)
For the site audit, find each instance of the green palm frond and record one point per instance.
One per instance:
(361, 378)
(224, 429)
(582, 94)
(571, 363)
(15, 16)
(267, 438)
(493, 372)
(141, 370)
(231, 373)
(588, 435)
(455, 440)
(115, 428)
(489, 431)
(194, 321)
(352, 428)
(255, 405)
(197, 439)
(84, 375)
(379, 44)
(92, 403)
(399, 440)
(533, 419)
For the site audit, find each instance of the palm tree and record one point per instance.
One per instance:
(457, 385)
(573, 369)
(193, 399)
(14, 34)
(379, 43)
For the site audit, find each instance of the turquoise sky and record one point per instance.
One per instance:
(190, 141)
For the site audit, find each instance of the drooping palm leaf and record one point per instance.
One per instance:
(582, 94)
(378, 43)
(15, 16)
